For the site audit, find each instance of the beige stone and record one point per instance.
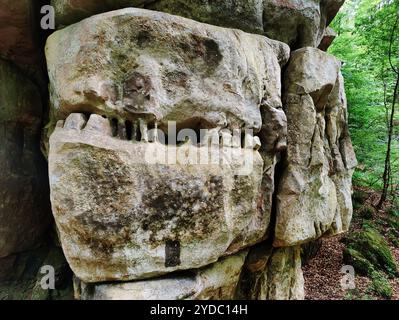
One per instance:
(215, 282)
(124, 211)
(314, 195)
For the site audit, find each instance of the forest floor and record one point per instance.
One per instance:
(323, 272)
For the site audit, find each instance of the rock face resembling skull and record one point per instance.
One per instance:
(118, 74)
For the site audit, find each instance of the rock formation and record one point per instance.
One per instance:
(192, 147)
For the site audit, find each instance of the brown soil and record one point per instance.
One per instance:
(323, 273)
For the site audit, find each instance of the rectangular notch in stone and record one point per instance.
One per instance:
(172, 253)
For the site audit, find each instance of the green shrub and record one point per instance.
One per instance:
(381, 285)
(394, 238)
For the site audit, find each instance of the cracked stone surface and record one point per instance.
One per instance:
(272, 274)
(314, 194)
(164, 68)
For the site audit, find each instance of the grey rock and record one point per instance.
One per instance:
(215, 282)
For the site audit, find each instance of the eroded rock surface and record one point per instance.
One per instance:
(124, 213)
(150, 68)
(314, 195)
(272, 274)
(164, 68)
(215, 282)
(24, 205)
(153, 217)
(327, 39)
(296, 22)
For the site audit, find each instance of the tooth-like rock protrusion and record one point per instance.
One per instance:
(226, 138)
(122, 130)
(75, 121)
(236, 142)
(211, 137)
(153, 134)
(99, 125)
(251, 142)
(143, 130)
(135, 130)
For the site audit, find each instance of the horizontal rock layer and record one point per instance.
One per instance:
(215, 282)
(295, 22)
(164, 68)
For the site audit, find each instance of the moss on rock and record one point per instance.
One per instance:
(358, 261)
(369, 245)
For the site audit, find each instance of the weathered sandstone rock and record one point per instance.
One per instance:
(314, 195)
(162, 67)
(168, 69)
(124, 213)
(272, 274)
(215, 282)
(71, 11)
(296, 22)
(24, 205)
(246, 15)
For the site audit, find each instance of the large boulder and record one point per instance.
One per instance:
(125, 212)
(24, 209)
(215, 282)
(314, 194)
(296, 22)
(123, 220)
(161, 67)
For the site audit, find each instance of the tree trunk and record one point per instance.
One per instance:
(386, 174)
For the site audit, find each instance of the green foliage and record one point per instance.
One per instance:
(355, 294)
(367, 212)
(364, 28)
(381, 285)
(393, 236)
